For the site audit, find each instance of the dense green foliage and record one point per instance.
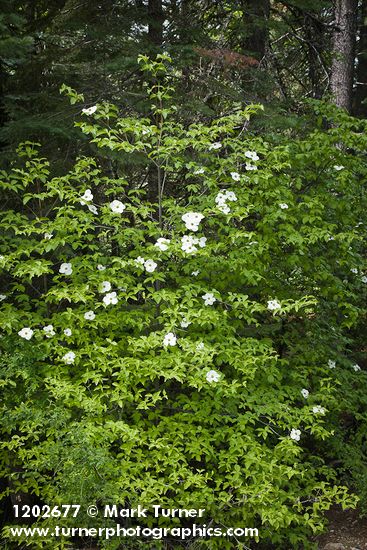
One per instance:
(210, 369)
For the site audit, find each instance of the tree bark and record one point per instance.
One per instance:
(360, 95)
(255, 18)
(156, 19)
(344, 38)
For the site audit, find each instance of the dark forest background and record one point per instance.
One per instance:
(246, 51)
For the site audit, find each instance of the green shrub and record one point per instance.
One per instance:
(174, 371)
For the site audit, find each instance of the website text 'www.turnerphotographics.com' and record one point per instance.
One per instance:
(195, 530)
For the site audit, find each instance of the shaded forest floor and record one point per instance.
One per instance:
(346, 531)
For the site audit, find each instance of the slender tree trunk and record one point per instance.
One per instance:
(156, 19)
(155, 34)
(342, 69)
(359, 107)
(255, 18)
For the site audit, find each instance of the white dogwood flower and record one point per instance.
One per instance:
(48, 236)
(139, 261)
(305, 393)
(106, 286)
(295, 434)
(317, 409)
(117, 206)
(49, 330)
(162, 243)
(68, 332)
(169, 339)
(192, 220)
(69, 357)
(252, 155)
(235, 176)
(89, 315)
(188, 244)
(101, 267)
(92, 209)
(331, 364)
(150, 266)
(356, 367)
(273, 305)
(224, 208)
(88, 196)
(215, 145)
(26, 333)
(221, 197)
(212, 376)
(230, 196)
(209, 298)
(185, 323)
(90, 110)
(66, 268)
(283, 205)
(110, 299)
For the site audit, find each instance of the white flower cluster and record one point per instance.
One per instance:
(273, 305)
(222, 198)
(92, 209)
(192, 220)
(169, 339)
(106, 286)
(69, 357)
(185, 323)
(189, 243)
(318, 409)
(49, 331)
(252, 155)
(66, 268)
(212, 376)
(356, 367)
(117, 206)
(162, 244)
(87, 197)
(209, 299)
(295, 434)
(149, 265)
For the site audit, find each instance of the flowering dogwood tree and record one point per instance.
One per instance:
(160, 352)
